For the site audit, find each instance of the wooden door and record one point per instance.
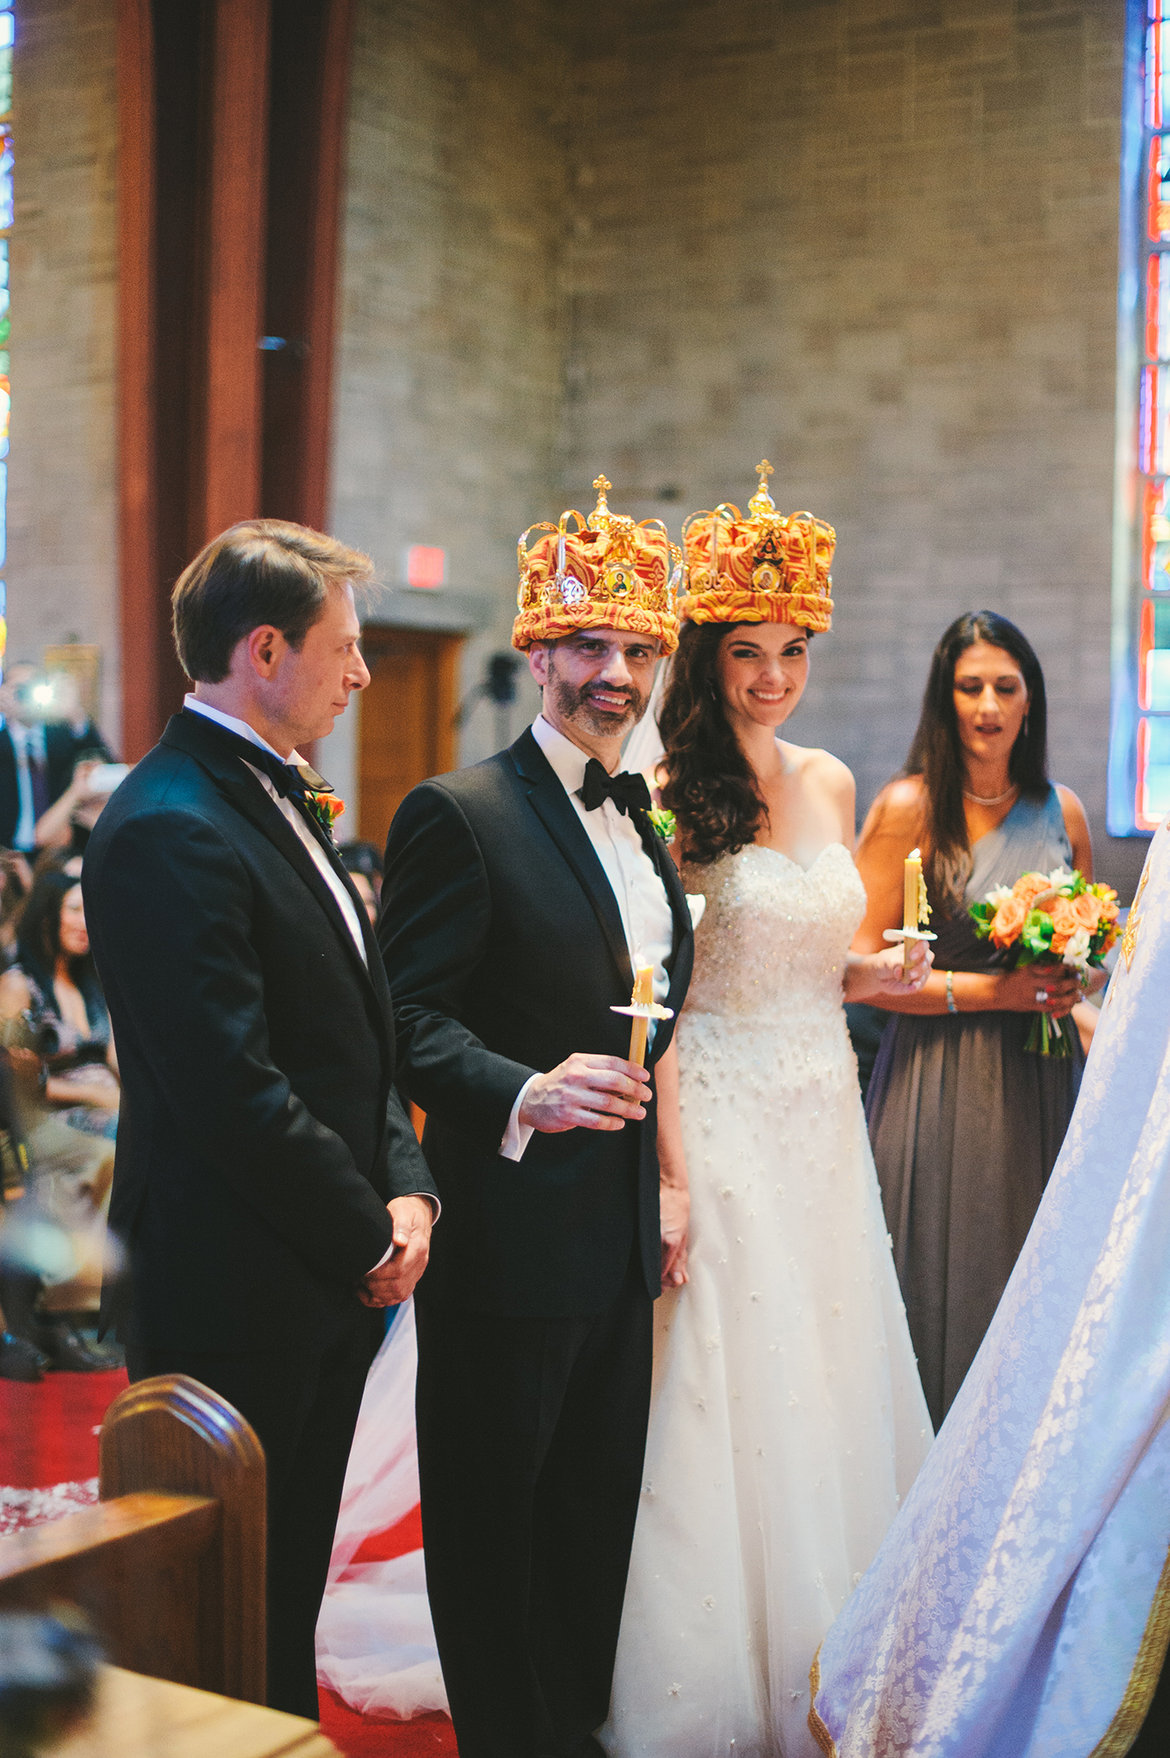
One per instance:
(407, 719)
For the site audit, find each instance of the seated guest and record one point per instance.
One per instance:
(19, 1359)
(15, 884)
(54, 1024)
(363, 863)
(43, 737)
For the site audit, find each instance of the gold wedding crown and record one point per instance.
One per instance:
(608, 573)
(767, 568)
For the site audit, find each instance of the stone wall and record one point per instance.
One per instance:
(62, 515)
(875, 240)
(451, 329)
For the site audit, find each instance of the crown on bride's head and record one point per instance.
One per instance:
(767, 568)
(608, 573)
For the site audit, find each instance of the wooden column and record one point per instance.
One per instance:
(232, 121)
(311, 55)
(234, 264)
(137, 348)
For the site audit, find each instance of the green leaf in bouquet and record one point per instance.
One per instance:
(1036, 934)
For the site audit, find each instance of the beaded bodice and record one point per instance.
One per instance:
(772, 942)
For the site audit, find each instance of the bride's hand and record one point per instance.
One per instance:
(675, 1209)
(889, 972)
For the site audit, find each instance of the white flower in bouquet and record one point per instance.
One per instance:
(999, 894)
(1060, 877)
(1077, 950)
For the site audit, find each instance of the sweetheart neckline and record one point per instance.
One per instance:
(765, 848)
(791, 859)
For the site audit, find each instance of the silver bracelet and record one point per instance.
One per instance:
(952, 1004)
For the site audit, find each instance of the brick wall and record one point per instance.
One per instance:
(876, 241)
(873, 239)
(62, 576)
(451, 340)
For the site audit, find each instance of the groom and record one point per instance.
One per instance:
(268, 1186)
(518, 896)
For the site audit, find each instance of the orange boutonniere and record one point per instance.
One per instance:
(326, 809)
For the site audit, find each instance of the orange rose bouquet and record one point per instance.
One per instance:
(1049, 919)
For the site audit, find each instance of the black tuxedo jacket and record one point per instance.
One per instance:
(63, 748)
(505, 950)
(260, 1133)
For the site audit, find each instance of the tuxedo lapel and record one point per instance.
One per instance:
(555, 810)
(200, 738)
(659, 853)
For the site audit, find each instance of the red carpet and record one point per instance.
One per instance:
(48, 1431)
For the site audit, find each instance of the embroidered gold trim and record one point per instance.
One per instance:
(1122, 1731)
(816, 1726)
(1139, 1693)
(1132, 924)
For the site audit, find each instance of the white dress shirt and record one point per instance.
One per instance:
(635, 881)
(294, 816)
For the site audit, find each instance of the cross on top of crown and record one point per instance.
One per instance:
(601, 511)
(762, 502)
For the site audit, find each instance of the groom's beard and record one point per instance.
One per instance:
(574, 703)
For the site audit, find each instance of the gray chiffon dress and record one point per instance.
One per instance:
(966, 1125)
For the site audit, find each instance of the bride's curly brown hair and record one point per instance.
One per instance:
(709, 783)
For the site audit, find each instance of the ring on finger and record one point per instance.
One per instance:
(1042, 995)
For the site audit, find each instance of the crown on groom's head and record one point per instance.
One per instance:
(767, 568)
(608, 573)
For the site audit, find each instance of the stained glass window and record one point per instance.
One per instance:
(1139, 746)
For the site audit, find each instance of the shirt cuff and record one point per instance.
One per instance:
(391, 1249)
(517, 1135)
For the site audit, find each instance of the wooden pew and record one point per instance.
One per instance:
(170, 1564)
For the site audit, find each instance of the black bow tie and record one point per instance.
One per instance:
(628, 791)
(295, 781)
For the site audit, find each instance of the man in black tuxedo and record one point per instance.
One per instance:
(518, 897)
(268, 1186)
(38, 756)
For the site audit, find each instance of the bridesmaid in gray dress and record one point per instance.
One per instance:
(965, 1123)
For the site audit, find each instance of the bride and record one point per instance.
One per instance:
(787, 1418)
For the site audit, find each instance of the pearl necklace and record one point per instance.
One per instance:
(990, 799)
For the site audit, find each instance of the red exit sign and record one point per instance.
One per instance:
(426, 566)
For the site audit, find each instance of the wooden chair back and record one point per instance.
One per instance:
(170, 1564)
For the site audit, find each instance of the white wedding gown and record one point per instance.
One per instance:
(787, 1418)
